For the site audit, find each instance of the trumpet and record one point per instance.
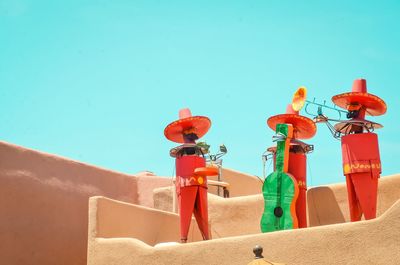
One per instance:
(319, 115)
(299, 101)
(318, 110)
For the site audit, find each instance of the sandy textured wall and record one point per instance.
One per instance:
(44, 204)
(227, 216)
(241, 184)
(241, 215)
(326, 205)
(118, 219)
(329, 205)
(367, 242)
(235, 216)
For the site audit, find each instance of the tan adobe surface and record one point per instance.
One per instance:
(44, 216)
(44, 198)
(326, 205)
(44, 204)
(365, 242)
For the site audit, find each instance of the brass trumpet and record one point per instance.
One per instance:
(342, 127)
(299, 100)
(319, 115)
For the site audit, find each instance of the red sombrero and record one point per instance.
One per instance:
(303, 127)
(347, 126)
(359, 97)
(187, 124)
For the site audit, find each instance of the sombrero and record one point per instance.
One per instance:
(359, 97)
(187, 124)
(303, 127)
(174, 151)
(347, 126)
(295, 144)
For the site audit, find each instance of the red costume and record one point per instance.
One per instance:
(303, 128)
(191, 173)
(360, 150)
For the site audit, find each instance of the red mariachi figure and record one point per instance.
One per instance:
(360, 151)
(303, 128)
(191, 173)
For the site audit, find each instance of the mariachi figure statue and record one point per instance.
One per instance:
(360, 151)
(293, 162)
(191, 170)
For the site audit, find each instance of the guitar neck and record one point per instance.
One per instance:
(282, 149)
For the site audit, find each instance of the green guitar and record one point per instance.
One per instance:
(280, 189)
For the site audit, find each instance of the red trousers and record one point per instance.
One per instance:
(362, 192)
(193, 199)
(362, 167)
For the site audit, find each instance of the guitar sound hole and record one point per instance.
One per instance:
(278, 212)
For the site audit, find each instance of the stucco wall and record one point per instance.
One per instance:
(44, 204)
(241, 215)
(366, 242)
(227, 216)
(235, 216)
(119, 219)
(240, 184)
(329, 205)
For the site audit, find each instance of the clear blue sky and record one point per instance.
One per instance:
(98, 81)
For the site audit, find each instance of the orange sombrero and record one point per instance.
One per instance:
(303, 127)
(187, 124)
(359, 98)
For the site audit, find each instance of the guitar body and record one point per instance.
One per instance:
(280, 189)
(279, 209)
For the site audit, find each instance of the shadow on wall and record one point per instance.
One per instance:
(324, 213)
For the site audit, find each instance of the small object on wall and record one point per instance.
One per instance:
(259, 258)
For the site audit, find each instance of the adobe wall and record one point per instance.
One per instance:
(329, 205)
(241, 215)
(119, 219)
(44, 204)
(240, 184)
(365, 242)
